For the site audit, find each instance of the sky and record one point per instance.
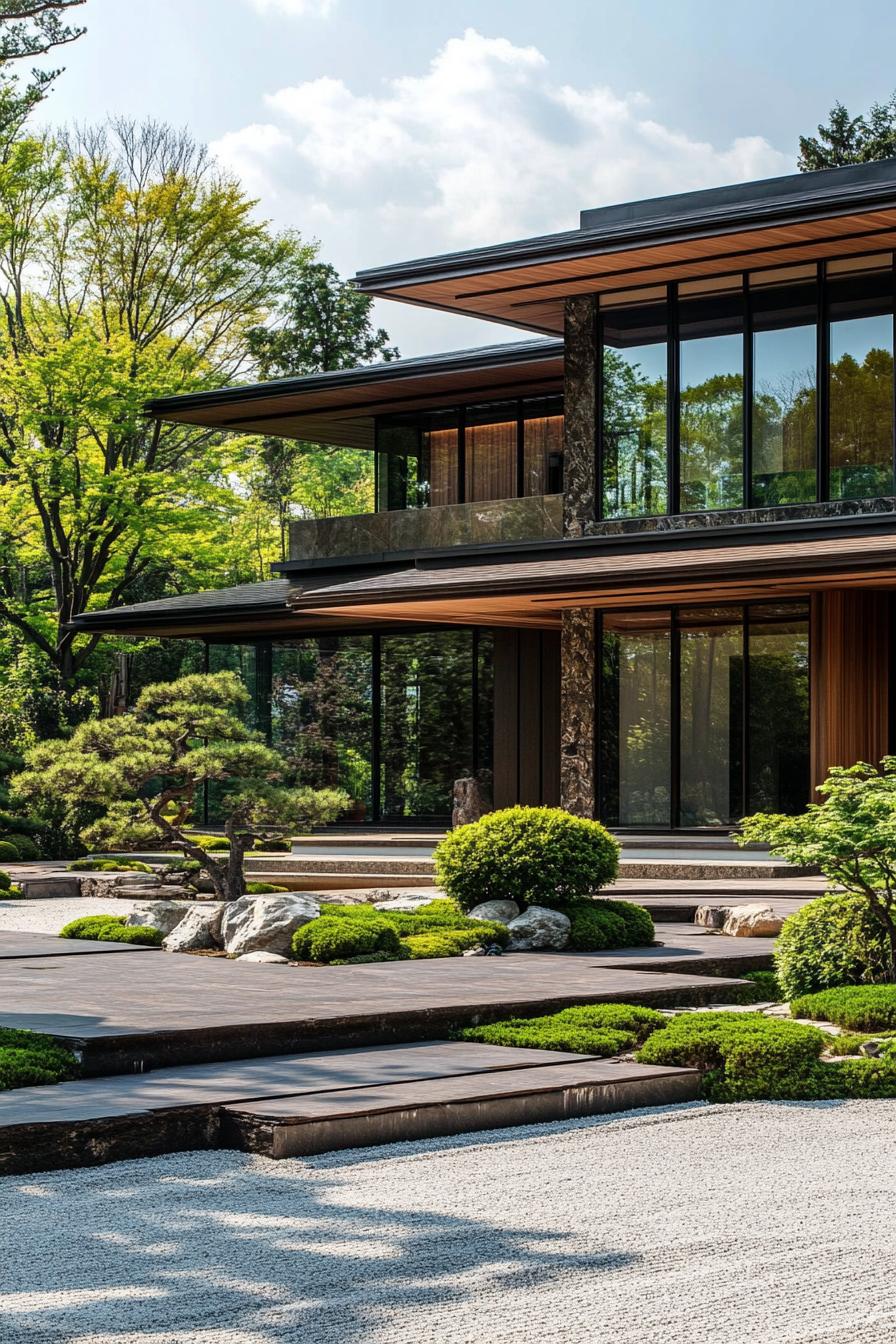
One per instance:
(392, 129)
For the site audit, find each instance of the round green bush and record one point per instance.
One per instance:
(108, 866)
(262, 889)
(8, 852)
(531, 855)
(89, 926)
(5, 881)
(25, 846)
(596, 925)
(831, 942)
(28, 1059)
(144, 934)
(329, 940)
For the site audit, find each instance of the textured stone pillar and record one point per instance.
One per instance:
(578, 662)
(580, 416)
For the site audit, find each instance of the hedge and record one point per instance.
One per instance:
(531, 855)
(108, 866)
(111, 929)
(596, 925)
(593, 1029)
(439, 917)
(27, 1059)
(855, 1007)
(328, 940)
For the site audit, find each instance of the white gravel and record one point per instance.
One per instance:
(49, 915)
(756, 1224)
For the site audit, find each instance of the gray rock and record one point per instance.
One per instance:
(265, 923)
(110, 884)
(162, 915)
(752, 921)
(264, 958)
(711, 916)
(501, 911)
(871, 1049)
(199, 930)
(471, 801)
(538, 928)
(140, 891)
(474, 952)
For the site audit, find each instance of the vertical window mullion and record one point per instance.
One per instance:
(822, 394)
(748, 396)
(461, 455)
(599, 417)
(673, 404)
(598, 688)
(893, 287)
(376, 726)
(675, 722)
(745, 716)
(520, 459)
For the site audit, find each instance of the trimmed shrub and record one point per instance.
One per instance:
(5, 881)
(108, 866)
(329, 940)
(273, 846)
(833, 941)
(765, 988)
(8, 852)
(745, 1056)
(262, 888)
(531, 855)
(88, 926)
(599, 924)
(856, 1007)
(445, 942)
(212, 844)
(111, 929)
(593, 1029)
(438, 914)
(28, 1059)
(24, 845)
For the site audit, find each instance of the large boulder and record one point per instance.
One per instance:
(110, 884)
(265, 923)
(501, 912)
(199, 930)
(711, 916)
(141, 891)
(538, 928)
(752, 921)
(162, 915)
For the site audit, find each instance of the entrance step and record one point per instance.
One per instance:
(302, 1125)
(111, 1119)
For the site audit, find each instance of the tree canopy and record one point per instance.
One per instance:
(844, 138)
(29, 29)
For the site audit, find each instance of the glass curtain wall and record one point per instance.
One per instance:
(741, 412)
(634, 400)
(704, 715)
(393, 720)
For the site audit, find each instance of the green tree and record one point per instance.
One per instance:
(846, 139)
(130, 267)
(147, 767)
(29, 29)
(850, 837)
(319, 322)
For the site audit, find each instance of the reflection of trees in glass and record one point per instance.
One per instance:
(784, 438)
(861, 399)
(321, 712)
(712, 443)
(427, 721)
(634, 423)
(779, 718)
(635, 705)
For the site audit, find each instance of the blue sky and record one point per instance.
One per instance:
(396, 128)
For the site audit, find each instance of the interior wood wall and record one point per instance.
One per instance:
(849, 678)
(527, 718)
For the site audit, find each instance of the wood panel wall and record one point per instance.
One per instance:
(527, 718)
(849, 678)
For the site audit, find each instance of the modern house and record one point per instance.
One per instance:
(643, 565)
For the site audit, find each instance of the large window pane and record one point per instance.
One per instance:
(321, 714)
(490, 454)
(785, 338)
(427, 722)
(635, 719)
(543, 448)
(634, 411)
(711, 651)
(861, 386)
(438, 466)
(779, 709)
(712, 396)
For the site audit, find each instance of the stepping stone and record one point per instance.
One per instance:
(358, 1117)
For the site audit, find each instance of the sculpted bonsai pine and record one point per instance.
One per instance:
(147, 768)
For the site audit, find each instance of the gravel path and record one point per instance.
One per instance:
(759, 1224)
(48, 916)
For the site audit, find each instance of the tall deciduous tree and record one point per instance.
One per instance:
(130, 267)
(847, 139)
(319, 322)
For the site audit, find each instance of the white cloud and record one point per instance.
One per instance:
(294, 9)
(484, 146)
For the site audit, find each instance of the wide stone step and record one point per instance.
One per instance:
(302, 1125)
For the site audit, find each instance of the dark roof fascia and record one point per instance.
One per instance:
(625, 543)
(689, 215)
(459, 361)
(114, 618)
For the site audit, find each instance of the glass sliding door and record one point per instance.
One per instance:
(778, 724)
(634, 455)
(704, 715)
(785, 349)
(860, 388)
(711, 427)
(636, 719)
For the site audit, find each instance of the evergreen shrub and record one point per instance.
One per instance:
(833, 941)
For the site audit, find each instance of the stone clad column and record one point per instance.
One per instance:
(578, 654)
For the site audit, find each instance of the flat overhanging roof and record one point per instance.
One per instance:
(339, 407)
(757, 225)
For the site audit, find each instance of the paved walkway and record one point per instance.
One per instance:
(699, 1225)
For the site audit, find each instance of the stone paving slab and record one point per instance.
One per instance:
(16, 946)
